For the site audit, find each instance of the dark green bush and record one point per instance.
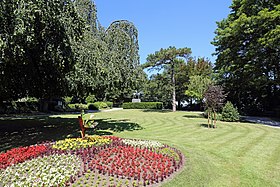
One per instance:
(90, 99)
(230, 113)
(67, 99)
(78, 106)
(109, 104)
(98, 105)
(143, 105)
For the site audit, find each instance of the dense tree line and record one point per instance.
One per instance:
(248, 52)
(191, 78)
(57, 48)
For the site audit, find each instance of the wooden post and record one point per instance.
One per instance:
(215, 119)
(208, 119)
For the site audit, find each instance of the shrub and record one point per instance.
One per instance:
(78, 106)
(68, 99)
(230, 113)
(143, 105)
(90, 99)
(97, 106)
(109, 104)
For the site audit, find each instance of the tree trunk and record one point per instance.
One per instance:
(208, 119)
(173, 87)
(215, 119)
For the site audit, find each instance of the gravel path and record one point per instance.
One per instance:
(261, 120)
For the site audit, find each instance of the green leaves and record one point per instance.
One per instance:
(247, 49)
(36, 47)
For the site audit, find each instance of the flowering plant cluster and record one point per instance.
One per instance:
(142, 143)
(134, 162)
(18, 155)
(53, 170)
(93, 161)
(77, 143)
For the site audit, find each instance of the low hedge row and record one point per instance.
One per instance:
(78, 106)
(143, 105)
(100, 105)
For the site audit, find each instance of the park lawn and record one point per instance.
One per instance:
(234, 154)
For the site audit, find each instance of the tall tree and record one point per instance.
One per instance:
(168, 57)
(36, 51)
(247, 48)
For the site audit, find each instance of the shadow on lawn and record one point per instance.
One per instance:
(24, 132)
(157, 110)
(194, 116)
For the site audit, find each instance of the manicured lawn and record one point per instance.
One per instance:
(234, 154)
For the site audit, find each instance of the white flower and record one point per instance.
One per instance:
(46, 171)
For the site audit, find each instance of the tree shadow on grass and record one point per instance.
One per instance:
(155, 110)
(204, 125)
(25, 132)
(198, 115)
(117, 125)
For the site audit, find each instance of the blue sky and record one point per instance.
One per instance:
(164, 23)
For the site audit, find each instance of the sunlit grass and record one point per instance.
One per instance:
(234, 154)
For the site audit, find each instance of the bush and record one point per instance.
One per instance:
(97, 106)
(109, 104)
(68, 99)
(90, 99)
(143, 105)
(78, 106)
(230, 113)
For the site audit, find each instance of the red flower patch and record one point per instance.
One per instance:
(21, 154)
(133, 162)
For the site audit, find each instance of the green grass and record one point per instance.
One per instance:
(234, 154)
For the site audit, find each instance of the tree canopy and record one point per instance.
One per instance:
(247, 49)
(168, 57)
(57, 48)
(36, 39)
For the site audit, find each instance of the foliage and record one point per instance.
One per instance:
(109, 104)
(142, 105)
(168, 57)
(110, 56)
(158, 89)
(78, 106)
(53, 170)
(90, 99)
(197, 86)
(214, 97)
(77, 143)
(214, 100)
(36, 47)
(247, 49)
(68, 100)
(230, 113)
(98, 105)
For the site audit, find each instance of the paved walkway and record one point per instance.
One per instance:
(261, 120)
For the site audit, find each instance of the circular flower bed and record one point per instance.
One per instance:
(94, 161)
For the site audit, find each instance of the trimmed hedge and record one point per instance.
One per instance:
(109, 104)
(78, 106)
(143, 105)
(100, 105)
